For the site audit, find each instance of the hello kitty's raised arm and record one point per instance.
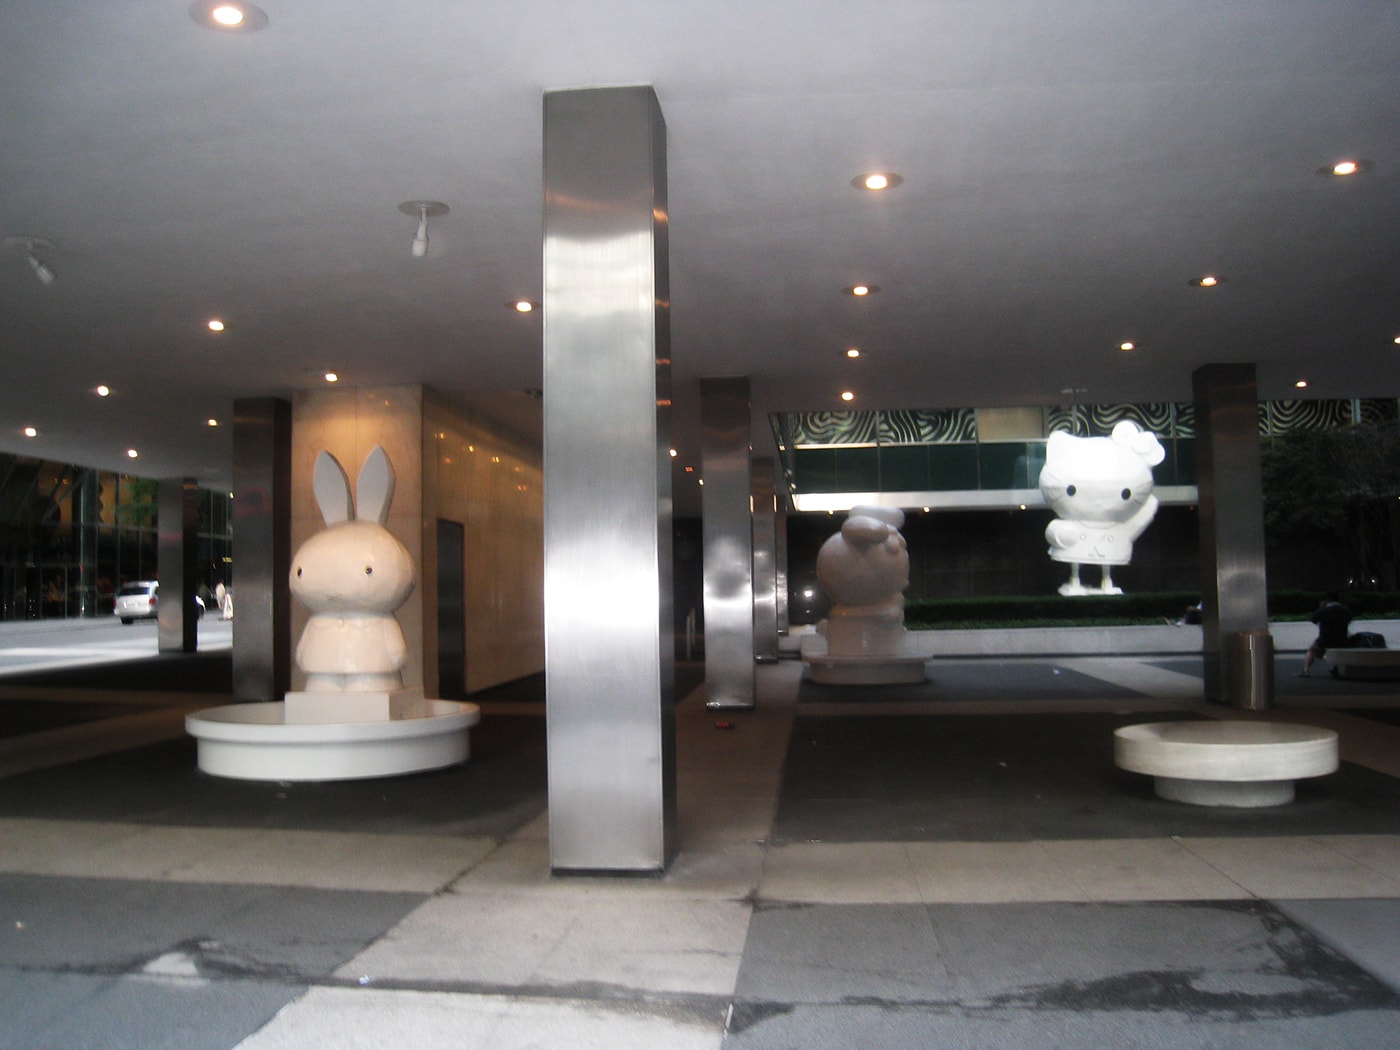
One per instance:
(332, 487)
(375, 487)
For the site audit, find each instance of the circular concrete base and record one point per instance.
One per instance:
(252, 742)
(1229, 763)
(866, 670)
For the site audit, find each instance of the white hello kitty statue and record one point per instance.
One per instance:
(1101, 488)
(352, 575)
(865, 570)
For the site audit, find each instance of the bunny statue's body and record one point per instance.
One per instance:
(352, 575)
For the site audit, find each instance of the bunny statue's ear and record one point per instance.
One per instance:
(332, 488)
(375, 487)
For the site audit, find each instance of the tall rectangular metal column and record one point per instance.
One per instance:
(1231, 501)
(765, 562)
(177, 525)
(609, 637)
(262, 530)
(727, 532)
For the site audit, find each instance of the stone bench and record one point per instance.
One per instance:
(1373, 664)
(1225, 763)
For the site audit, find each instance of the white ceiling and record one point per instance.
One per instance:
(1068, 165)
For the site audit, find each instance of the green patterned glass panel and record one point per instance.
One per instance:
(858, 469)
(1010, 464)
(816, 470)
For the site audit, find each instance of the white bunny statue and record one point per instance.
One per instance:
(352, 575)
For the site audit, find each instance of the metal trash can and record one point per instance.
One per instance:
(1249, 670)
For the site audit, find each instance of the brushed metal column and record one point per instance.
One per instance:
(1231, 515)
(765, 562)
(262, 548)
(780, 562)
(177, 538)
(609, 637)
(727, 531)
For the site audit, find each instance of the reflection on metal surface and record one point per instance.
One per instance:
(262, 521)
(1233, 585)
(609, 648)
(765, 566)
(728, 540)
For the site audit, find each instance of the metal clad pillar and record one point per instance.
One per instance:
(609, 637)
(765, 562)
(780, 561)
(1231, 501)
(262, 529)
(177, 525)
(728, 541)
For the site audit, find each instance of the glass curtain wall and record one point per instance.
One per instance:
(70, 535)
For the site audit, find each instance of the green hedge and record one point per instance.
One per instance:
(1053, 609)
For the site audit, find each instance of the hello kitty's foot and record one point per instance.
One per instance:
(1071, 589)
(1110, 590)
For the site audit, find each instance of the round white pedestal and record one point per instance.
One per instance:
(1231, 763)
(252, 742)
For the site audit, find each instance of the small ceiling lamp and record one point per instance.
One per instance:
(877, 180)
(228, 16)
(861, 290)
(103, 390)
(1125, 347)
(211, 422)
(331, 377)
(1301, 384)
(847, 395)
(31, 432)
(216, 325)
(522, 306)
(425, 210)
(1343, 168)
(1207, 281)
(131, 453)
(23, 242)
(853, 352)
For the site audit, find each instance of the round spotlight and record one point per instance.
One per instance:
(1301, 384)
(104, 390)
(877, 180)
(211, 422)
(1125, 347)
(861, 290)
(131, 453)
(1206, 281)
(522, 306)
(853, 353)
(1343, 168)
(331, 377)
(216, 325)
(31, 432)
(228, 16)
(847, 395)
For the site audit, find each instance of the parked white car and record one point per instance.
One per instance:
(139, 601)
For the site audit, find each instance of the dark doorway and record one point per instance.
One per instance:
(451, 610)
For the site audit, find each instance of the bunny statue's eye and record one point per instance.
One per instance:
(369, 570)
(298, 570)
(1070, 490)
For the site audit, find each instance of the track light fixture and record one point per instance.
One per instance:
(30, 245)
(424, 210)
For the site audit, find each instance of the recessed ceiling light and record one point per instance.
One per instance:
(31, 432)
(331, 377)
(211, 422)
(877, 180)
(861, 289)
(131, 453)
(1207, 281)
(215, 325)
(228, 16)
(853, 352)
(1302, 383)
(1127, 346)
(1343, 168)
(103, 390)
(673, 453)
(846, 395)
(523, 306)
(1397, 340)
